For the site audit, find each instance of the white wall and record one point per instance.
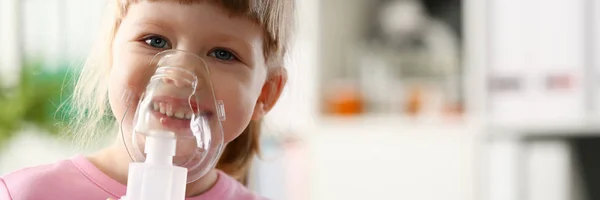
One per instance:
(9, 50)
(60, 30)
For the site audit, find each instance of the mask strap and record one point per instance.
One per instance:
(127, 98)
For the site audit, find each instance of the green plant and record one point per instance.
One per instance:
(36, 99)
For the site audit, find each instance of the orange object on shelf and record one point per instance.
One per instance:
(346, 102)
(414, 103)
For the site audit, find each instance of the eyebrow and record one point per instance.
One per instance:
(225, 37)
(239, 44)
(151, 23)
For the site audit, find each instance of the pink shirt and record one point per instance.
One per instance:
(79, 179)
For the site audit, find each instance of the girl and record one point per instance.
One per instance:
(247, 37)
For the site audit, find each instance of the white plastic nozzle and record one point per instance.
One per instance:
(160, 149)
(157, 178)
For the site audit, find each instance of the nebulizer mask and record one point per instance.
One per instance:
(176, 135)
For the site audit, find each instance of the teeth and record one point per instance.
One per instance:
(179, 115)
(166, 109)
(162, 108)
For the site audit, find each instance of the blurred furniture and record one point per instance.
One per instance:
(554, 163)
(538, 92)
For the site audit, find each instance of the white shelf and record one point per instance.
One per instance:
(393, 122)
(352, 157)
(582, 129)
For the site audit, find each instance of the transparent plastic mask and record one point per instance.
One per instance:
(179, 102)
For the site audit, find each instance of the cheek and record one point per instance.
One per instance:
(125, 83)
(239, 100)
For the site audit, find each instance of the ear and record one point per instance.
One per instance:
(270, 93)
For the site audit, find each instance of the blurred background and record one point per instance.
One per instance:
(387, 99)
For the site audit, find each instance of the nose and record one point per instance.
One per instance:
(182, 59)
(176, 82)
(182, 68)
(181, 78)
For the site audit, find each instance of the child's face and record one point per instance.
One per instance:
(232, 45)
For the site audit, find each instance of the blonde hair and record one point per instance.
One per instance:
(90, 99)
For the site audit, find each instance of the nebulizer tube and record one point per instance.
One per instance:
(157, 177)
(176, 135)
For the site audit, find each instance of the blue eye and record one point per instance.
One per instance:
(157, 42)
(223, 55)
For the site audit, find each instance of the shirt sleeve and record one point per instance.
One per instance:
(4, 194)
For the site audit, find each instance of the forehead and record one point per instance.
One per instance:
(247, 8)
(197, 17)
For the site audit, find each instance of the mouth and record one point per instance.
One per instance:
(172, 111)
(176, 114)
